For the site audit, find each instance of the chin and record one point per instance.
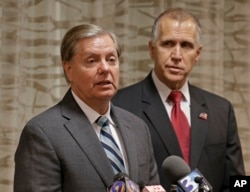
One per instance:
(107, 96)
(175, 77)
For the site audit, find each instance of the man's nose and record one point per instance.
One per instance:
(104, 66)
(177, 53)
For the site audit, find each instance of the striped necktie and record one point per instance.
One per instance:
(110, 146)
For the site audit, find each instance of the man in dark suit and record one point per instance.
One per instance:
(60, 150)
(214, 146)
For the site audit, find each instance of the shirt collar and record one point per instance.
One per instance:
(164, 91)
(91, 114)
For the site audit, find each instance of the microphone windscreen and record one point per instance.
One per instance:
(120, 176)
(118, 186)
(175, 168)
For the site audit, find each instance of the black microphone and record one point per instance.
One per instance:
(180, 174)
(122, 183)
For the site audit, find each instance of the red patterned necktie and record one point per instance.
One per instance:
(180, 124)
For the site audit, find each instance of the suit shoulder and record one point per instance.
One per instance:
(128, 97)
(127, 115)
(47, 116)
(208, 96)
(131, 88)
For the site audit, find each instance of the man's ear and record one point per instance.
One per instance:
(67, 70)
(151, 49)
(198, 54)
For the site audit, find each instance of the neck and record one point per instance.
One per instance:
(100, 107)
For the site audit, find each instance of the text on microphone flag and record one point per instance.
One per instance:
(153, 188)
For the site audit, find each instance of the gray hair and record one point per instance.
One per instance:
(72, 37)
(177, 14)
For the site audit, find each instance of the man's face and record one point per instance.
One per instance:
(175, 51)
(93, 72)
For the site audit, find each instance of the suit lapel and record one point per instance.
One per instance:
(156, 114)
(158, 117)
(128, 141)
(83, 133)
(199, 123)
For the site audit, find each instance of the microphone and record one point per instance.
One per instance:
(122, 183)
(195, 181)
(175, 188)
(180, 174)
(118, 185)
(153, 188)
(150, 188)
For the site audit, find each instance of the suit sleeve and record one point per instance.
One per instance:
(234, 152)
(37, 167)
(154, 177)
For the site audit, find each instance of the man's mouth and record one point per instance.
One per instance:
(175, 68)
(106, 82)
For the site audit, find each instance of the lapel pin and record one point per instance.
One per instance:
(203, 116)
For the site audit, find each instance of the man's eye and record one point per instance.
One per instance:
(167, 43)
(112, 60)
(90, 61)
(187, 45)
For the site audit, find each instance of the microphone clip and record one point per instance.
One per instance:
(202, 185)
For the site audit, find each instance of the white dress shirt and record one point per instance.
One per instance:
(164, 92)
(92, 116)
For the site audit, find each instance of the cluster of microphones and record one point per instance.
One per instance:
(178, 173)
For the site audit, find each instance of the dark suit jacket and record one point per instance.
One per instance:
(60, 151)
(215, 145)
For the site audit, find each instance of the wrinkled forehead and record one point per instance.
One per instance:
(177, 22)
(172, 25)
(178, 27)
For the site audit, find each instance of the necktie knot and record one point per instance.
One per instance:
(102, 121)
(175, 96)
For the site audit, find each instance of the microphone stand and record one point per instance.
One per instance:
(174, 188)
(201, 189)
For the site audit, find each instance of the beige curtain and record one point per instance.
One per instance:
(31, 77)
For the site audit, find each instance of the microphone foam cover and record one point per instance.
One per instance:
(120, 176)
(175, 168)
